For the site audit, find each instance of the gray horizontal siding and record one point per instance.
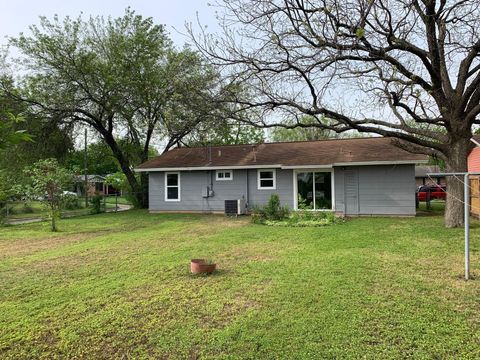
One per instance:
(382, 190)
(193, 182)
(387, 190)
(284, 188)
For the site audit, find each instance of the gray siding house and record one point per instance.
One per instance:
(362, 176)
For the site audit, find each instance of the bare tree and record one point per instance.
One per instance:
(408, 69)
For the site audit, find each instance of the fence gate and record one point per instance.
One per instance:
(475, 196)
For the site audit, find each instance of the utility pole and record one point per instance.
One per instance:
(85, 170)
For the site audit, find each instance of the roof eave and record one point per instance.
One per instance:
(276, 166)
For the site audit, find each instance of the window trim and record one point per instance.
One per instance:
(171, 186)
(224, 178)
(274, 187)
(317, 170)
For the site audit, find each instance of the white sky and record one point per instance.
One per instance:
(17, 15)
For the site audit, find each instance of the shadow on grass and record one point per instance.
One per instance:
(216, 273)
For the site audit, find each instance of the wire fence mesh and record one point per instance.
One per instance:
(18, 210)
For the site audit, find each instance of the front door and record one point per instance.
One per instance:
(351, 192)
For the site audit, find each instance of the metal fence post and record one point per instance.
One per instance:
(467, 227)
(116, 202)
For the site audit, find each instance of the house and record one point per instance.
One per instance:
(421, 177)
(95, 184)
(473, 159)
(360, 176)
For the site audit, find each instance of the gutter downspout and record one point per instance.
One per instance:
(247, 190)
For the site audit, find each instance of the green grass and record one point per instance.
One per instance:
(36, 209)
(120, 200)
(118, 286)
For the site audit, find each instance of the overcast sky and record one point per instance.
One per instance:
(17, 15)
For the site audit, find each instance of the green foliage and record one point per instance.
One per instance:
(119, 75)
(307, 131)
(273, 214)
(9, 136)
(226, 133)
(6, 186)
(70, 202)
(96, 202)
(100, 158)
(37, 137)
(119, 181)
(307, 219)
(47, 181)
(272, 211)
(27, 208)
(302, 133)
(360, 33)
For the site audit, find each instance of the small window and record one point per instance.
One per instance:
(224, 175)
(266, 179)
(172, 186)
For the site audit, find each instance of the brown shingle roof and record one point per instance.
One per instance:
(306, 153)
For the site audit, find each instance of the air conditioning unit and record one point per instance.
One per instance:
(235, 207)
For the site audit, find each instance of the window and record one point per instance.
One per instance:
(314, 190)
(172, 186)
(223, 175)
(266, 179)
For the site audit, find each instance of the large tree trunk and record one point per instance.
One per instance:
(137, 190)
(456, 162)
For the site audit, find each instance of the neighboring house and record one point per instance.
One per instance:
(362, 176)
(421, 177)
(474, 156)
(95, 184)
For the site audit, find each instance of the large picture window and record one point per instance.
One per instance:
(172, 186)
(314, 190)
(266, 179)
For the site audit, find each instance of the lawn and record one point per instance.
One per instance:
(35, 209)
(118, 286)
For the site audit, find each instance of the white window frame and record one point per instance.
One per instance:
(178, 185)
(274, 187)
(317, 170)
(224, 178)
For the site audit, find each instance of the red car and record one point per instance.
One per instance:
(436, 192)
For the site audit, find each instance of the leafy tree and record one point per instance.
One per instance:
(225, 133)
(291, 132)
(100, 160)
(47, 182)
(119, 77)
(33, 138)
(372, 66)
(9, 136)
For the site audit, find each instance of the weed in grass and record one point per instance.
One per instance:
(118, 285)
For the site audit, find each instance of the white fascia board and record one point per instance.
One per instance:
(362, 163)
(193, 168)
(475, 142)
(398, 162)
(307, 167)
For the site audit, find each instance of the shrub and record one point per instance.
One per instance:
(71, 202)
(3, 212)
(272, 211)
(27, 208)
(96, 202)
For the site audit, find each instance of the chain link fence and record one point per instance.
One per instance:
(16, 211)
